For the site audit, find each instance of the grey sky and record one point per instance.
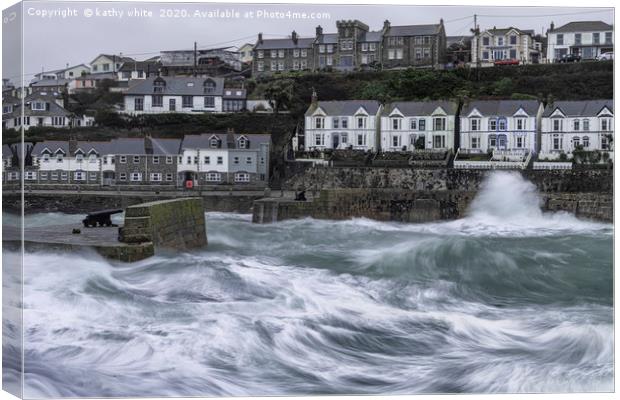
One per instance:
(52, 43)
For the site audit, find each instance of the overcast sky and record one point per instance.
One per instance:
(53, 39)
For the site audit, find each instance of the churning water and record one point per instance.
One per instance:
(507, 299)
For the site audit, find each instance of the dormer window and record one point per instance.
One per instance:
(243, 143)
(59, 157)
(79, 157)
(45, 157)
(92, 158)
(209, 86)
(37, 106)
(214, 142)
(502, 124)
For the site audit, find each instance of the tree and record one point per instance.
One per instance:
(279, 93)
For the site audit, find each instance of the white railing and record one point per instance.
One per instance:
(552, 165)
(314, 161)
(521, 164)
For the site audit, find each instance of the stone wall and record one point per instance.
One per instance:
(82, 202)
(416, 206)
(320, 177)
(169, 224)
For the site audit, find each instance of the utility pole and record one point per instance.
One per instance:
(195, 57)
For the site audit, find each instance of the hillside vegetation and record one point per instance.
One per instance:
(292, 91)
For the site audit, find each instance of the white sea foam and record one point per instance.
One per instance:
(483, 304)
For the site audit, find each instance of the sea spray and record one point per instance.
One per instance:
(481, 304)
(506, 196)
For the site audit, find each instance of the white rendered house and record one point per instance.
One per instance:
(418, 125)
(568, 125)
(343, 124)
(507, 125)
(587, 39)
(156, 95)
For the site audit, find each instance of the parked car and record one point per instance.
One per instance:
(566, 58)
(506, 62)
(606, 56)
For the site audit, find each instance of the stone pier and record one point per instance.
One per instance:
(160, 225)
(177, 224)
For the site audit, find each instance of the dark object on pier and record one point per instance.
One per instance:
(301, 196)
(102, 218)
(75, 231)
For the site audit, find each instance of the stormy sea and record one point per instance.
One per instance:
(507, 299)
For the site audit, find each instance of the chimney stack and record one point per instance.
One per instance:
(386, 25)
(552, 26)
(260, 38)
(319, 30)
(294, 37)
(315, 97)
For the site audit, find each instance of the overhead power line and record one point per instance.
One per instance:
(543, 15)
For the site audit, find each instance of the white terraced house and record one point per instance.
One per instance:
(418, 125)
(568, 125)
(175, 95)
(228, 158)
(342, 125)
(588, 39)
(505, 125)
(68, 162)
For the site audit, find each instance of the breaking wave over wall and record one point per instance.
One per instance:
(507, 299)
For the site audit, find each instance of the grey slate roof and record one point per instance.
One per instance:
(130, 146)
(415, 108)
(504, 31)
(583, 26)
(100, 147)
(413, 30)
(327, 38)
(492, 108)
(202, 141)
(163, 146)
(346, 107)
(372, 37)
(52, 110)
(276, 44)
(193, 86)
(50, 82)
(588, 108)
(117, 58)
(51, 145)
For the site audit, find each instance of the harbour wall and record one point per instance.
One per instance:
(415, 206)
(84, 201)
(420, 195)
(169, 224)
(316, 178)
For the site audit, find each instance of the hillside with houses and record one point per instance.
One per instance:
(401, 95)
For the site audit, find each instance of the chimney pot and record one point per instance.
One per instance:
(319, 30)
